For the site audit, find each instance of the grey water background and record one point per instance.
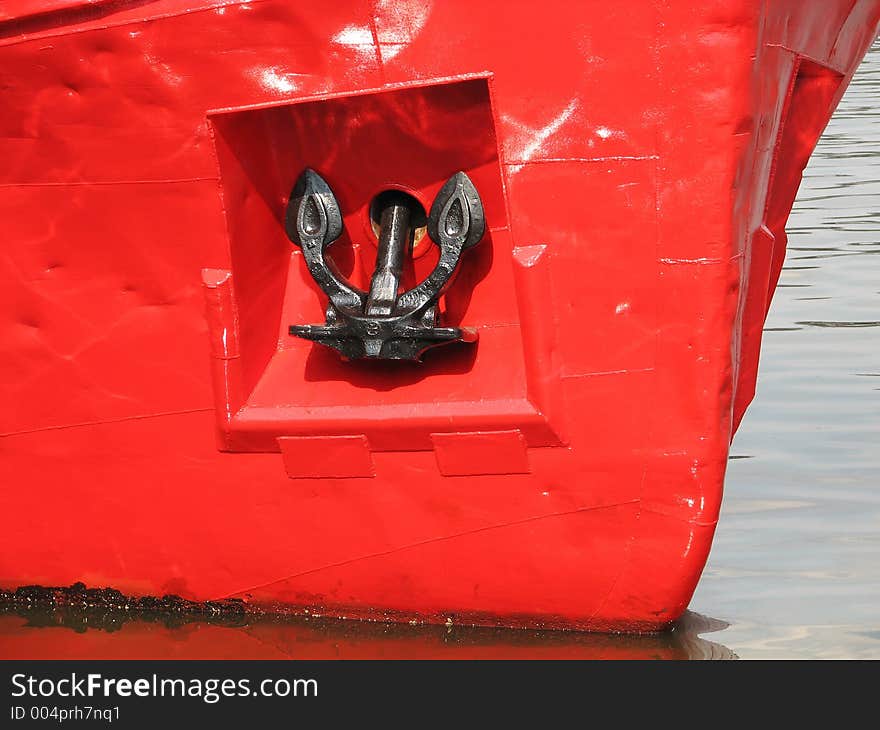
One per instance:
(795, 566)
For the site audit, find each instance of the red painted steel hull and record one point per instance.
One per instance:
(637, 162)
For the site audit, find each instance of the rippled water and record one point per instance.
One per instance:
(795, 567)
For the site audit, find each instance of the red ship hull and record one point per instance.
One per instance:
(637, 163)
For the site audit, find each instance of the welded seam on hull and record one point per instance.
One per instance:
(599, 373)
(429, 541)
(98, 183)
(826, 63)
(607, 158)
(686, 520)
(702, 260)
(67, 426)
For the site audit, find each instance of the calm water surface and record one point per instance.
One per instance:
(795, 568)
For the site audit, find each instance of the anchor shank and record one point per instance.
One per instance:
(395, 240)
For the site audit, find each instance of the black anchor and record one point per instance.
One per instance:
(379, 324)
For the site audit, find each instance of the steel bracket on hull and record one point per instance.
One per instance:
(382, 324)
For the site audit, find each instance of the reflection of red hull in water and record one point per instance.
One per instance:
(637, 163)
(51, 636)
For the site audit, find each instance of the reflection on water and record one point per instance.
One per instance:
(46, 633)
(795, 567)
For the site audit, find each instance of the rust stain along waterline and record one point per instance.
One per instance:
(163, 434)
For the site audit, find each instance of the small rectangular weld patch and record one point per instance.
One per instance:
(326, 457)
(481, 452)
